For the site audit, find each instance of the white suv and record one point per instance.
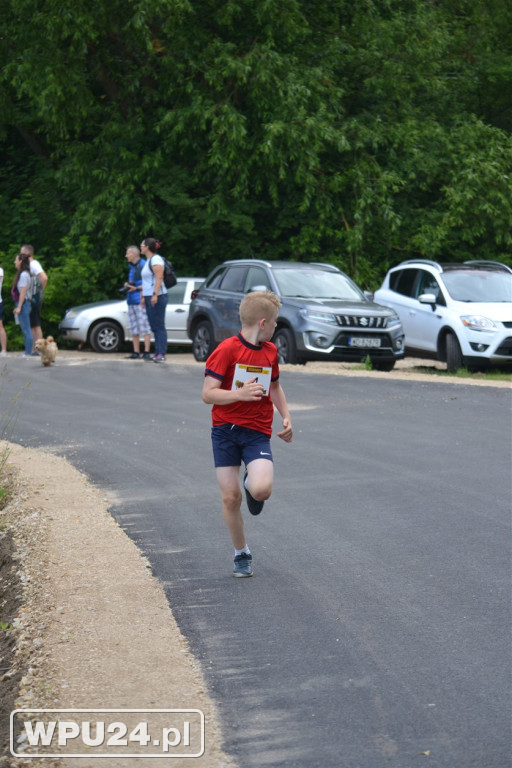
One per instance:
(458, 313)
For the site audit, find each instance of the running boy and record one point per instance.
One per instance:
(242, 384)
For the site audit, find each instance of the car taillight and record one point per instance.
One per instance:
(195, 293)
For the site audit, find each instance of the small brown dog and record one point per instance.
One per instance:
(47, 348)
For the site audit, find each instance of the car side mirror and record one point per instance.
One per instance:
(428, 298)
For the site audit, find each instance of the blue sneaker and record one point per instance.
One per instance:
(243, 566)
(254, 506)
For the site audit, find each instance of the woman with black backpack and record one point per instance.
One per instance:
(154, 295)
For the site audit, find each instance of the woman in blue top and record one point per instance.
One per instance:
(154, 295)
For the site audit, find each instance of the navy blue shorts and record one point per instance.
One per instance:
(233, 444)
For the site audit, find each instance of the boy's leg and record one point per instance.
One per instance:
(260, 478)
(229, 484)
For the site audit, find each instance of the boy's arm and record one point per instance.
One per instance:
(214, 395)
(278, 398)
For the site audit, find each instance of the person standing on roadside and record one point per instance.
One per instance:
(137, 315)
(21, 294)
(3, 335)
(38, 272)
(154, 295)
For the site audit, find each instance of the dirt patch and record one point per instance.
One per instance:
(10, 600)
(93, 627)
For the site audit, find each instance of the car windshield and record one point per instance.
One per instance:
(479, 285)
(316, 284)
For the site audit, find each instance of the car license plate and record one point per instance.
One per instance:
(362, 341)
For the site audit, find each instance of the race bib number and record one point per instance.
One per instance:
(245, 373)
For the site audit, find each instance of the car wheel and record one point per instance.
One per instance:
(106, 337)
(454, 359)
(383, 365)
(202, 342)
(285, 343)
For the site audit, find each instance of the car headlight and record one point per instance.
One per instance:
(478, 323)
(70, 313)
(320, 317)
(393, 319)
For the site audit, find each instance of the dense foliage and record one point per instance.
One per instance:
(359, 132)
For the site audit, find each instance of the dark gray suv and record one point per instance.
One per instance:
(324, 315)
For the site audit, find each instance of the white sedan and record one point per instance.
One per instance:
(104, 324)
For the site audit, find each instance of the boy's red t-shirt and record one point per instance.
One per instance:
(221, 365)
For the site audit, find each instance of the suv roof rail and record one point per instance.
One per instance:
(423, 261)
(249, 258)
(322, 264)
(490, 264)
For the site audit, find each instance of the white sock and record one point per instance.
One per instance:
(244, 551)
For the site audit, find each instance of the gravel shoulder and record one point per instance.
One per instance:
(93, 627)
(87, 623)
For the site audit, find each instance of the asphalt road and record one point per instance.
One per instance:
(376, 630)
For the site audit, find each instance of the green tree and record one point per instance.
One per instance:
(356, 131)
